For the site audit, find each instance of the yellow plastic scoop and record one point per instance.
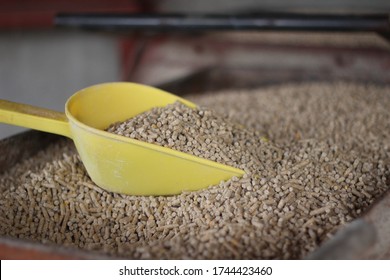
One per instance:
(114, 162)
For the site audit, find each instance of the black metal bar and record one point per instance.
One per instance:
(280, 22)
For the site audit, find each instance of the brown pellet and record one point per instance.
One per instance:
(316, 156)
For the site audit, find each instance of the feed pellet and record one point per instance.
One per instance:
(199, 132)
(316, 155)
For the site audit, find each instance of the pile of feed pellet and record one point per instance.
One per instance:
(316, 157)
(199, 132)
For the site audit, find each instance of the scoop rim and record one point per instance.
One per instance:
(115, 137)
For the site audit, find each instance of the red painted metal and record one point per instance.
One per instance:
(40, 13)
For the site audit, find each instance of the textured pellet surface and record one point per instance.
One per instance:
(199, 132)
(316, 157)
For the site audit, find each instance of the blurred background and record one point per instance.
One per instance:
(45, 58)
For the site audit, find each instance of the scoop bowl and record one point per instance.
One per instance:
(117, 163)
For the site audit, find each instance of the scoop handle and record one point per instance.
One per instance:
(34, 117)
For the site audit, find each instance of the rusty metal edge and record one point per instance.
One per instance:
(18, 249)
